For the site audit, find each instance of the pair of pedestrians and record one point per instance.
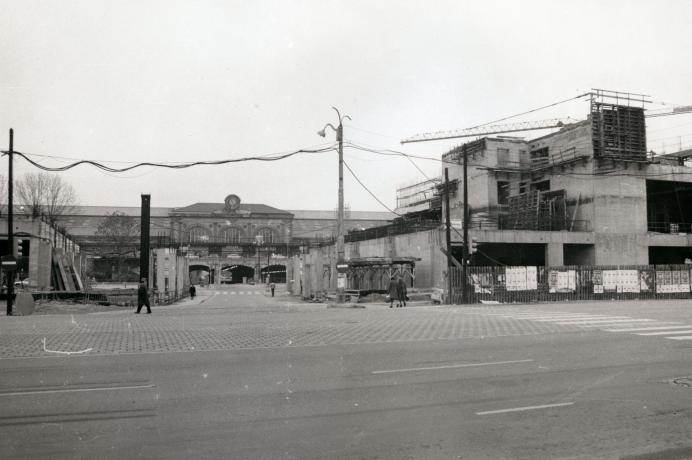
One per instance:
(397, 291)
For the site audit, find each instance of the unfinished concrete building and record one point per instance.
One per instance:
(588, 194)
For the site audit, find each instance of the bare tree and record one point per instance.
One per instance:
(119, 232)
(46, 195)
(3, 192)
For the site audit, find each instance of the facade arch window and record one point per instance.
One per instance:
(267, 235)
(232, 235)
(199, 235)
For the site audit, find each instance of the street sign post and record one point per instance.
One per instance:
(9, 263)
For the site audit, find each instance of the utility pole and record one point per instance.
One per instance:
(448, 239)
(10, 224)
(144, 239)
(340, 252)
(465, 249)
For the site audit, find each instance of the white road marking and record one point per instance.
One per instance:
(572, 316)
(86, 350)
(685, 337)
(606, 321)
(451, 366)
(684, 331)
(76, 390)
(654, 328)
(588, 318)
(520, 409)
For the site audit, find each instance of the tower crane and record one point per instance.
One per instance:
(491, 129)
(673, 111)
(523, 126)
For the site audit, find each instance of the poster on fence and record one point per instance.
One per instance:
(646, 280)
(531, 278)
(482, 283)
(597, 280)
(610, 280)
(516, 278)
(562, 281)
(571, 280)
(672, 281)
(628, 281)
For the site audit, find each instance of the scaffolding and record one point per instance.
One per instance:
(618, 125)
(536, 210)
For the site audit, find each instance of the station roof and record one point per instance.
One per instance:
(209, 208)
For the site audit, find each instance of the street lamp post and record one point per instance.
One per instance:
(341, 282)
(259, 239)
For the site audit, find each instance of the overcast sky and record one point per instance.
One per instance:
(180, 81)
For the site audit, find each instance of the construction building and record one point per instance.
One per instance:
(588, 194)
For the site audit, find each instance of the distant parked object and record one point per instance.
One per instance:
(22, 283)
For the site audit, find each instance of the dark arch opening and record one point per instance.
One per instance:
(275, 274)
(200, 274)
(233, 274)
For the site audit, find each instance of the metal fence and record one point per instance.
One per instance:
(507, 284)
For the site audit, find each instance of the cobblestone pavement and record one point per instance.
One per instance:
(226, 322)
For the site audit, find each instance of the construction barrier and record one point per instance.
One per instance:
(527, 284)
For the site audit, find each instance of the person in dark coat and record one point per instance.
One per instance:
(193, 291)
(402, 291)
(393, 290)
(272, 286)
(143, 296)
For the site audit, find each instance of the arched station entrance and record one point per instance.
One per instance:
(201, 274)
(275, 274)
(233, 274)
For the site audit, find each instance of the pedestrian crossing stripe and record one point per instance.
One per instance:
(671, 330)
(236, 292)
(654, 328)
(668, 332)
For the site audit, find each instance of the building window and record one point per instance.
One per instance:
(502, 192)
(542, 186)
(267, 235)
(231, 235)
(199, 235)
(523, 188)
(539, 157)
(502, 157)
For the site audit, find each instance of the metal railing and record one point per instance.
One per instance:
(670, 227)
(399, 228)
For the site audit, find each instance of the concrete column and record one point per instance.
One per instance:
(554, 255)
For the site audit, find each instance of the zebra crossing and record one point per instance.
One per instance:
(645, 327)
(234, 292)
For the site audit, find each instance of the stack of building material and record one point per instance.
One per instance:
(536, 210)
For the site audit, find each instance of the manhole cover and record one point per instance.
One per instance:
(683, 381)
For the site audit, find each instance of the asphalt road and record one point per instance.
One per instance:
(373, 383)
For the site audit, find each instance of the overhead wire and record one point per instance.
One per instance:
(531, 111)
(369, 191)
(271, 157)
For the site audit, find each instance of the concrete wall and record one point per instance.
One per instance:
(41, 249)
(317, 269)
(172, 267)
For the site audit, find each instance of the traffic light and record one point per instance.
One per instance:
(21, 247)
(473, 245)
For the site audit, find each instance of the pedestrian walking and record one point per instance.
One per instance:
(193, 291)
(143, 296)
(272, 286)
(402, 291)
(393, 290)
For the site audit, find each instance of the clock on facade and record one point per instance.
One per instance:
(232, 203)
